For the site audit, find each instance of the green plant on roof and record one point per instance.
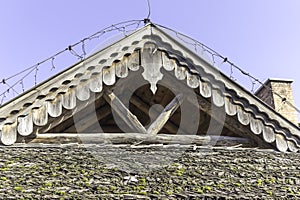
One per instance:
(175, 164)
(9, 162)
(178, 189)
(169, 192)
(180, 171)
(291, 191)
(139, 187)
(3, 178)
(112, 188)
(85, 179)
(33, 166)
(273, 180)
(18, 188)
(48, 184)
(207, 188)
(155, 192)
(259, 182)
(60, 192)
(269, 192)
(142, 192)
(142, 181)
(199, 190)
(237, 184)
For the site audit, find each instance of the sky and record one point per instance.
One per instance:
(260, 36)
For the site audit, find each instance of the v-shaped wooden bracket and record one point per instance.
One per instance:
(132, 121)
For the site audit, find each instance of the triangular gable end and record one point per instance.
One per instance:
(153, 56)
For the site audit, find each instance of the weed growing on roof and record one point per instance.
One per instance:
(60, 192)
(237, 184)
(155, 192)
(199, 190)
(48, 184)
(142, 181)
(142, 192)
(169, 192)
(4, 169)
(269, 192)
(259, 182)
(18, 188)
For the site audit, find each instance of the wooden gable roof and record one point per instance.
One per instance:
(150, 56)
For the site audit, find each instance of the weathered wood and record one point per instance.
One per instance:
(217, 98)
(168, 64)
(25, 125)
(281, 143)
(292, 146)
(123, 112)
(151, 62)
(192, 80)
(40, 115)
(180, 72)
(83, 91)
(9, 134)
(231, 122)
(158, 124)
(69, 99)
(230, 108)
(256, 125)
(243, 116)
(54, 107)
(133, 61)
(121, 69)
(131, 138)
(268, 134)
(145, 108)
(205, 89)
(89, 120)
(109, 75)
(66, 115)
(96, 83)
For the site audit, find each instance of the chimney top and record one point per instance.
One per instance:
(267, 82)
(277, 93)
(282, 80)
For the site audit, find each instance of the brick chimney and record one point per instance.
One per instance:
(283, 87)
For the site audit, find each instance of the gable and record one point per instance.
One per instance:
(148, 64)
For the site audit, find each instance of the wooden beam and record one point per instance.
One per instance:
(132, 138)
(161, 120)
(139, 103)
(123, 112)
(230, 123)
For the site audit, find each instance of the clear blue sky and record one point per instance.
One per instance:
(261, 36)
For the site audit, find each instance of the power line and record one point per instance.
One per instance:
(149, 9)
(214, 54)
(121, 27)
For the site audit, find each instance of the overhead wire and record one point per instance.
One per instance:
(121, 26)
(149, 9)
(214, 53)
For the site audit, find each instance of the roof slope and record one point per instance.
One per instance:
(71, 172)
(25, 115)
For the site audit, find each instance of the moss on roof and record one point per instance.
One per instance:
(109, 172)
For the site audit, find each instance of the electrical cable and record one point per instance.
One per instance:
(213, 53)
